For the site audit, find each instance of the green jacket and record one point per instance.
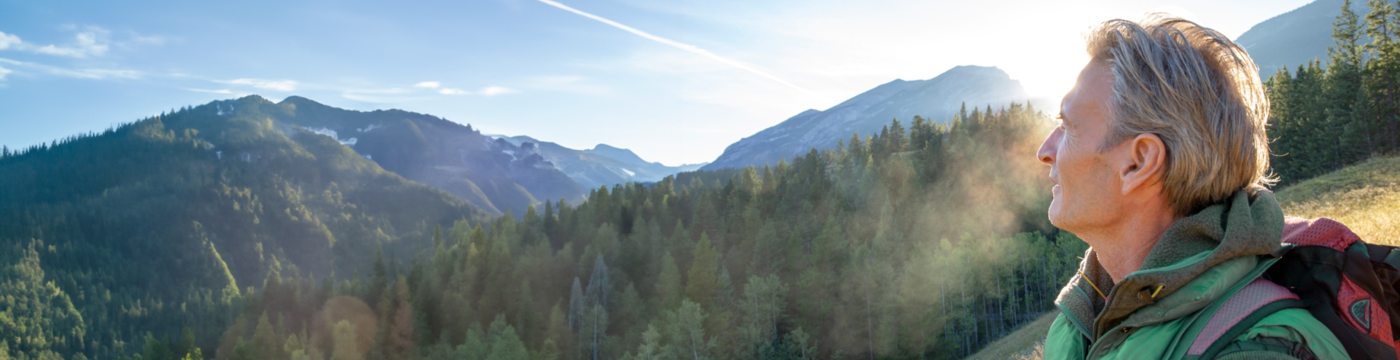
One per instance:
(1197, 262)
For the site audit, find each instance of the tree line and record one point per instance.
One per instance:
(920, 242)
(1323, 118)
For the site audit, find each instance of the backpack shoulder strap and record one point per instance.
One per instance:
(1257, 300)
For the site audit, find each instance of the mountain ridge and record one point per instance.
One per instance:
(938, 98)
(602, 165)
(1296, 37)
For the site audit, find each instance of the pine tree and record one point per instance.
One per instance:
(1383, 88)
(668, 284)
(596, 313)
(687, 333)
(265, 344)
(650, 349)
(599, 284)
(702, 281)
(505, 343)
(577, 305)
(1345, 98)
(558, 329)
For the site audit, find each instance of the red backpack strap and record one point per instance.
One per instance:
(1257, 300)
(1319, 231)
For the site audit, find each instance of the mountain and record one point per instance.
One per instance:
(938, 98)
(163, 223)
(1295, 37)
(497, 176)
(603, 165)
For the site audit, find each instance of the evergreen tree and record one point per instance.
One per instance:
(668, 284)
(264, 344)
(1346, 101)
(505, 343)
(686, 336)
(702, 281)
(577, 306)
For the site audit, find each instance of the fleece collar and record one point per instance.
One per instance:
(1196, 261)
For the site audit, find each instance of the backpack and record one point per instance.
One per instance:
(1347, 284)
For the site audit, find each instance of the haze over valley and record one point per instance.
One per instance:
(551, 180)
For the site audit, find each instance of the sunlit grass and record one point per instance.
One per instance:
(1365, 197)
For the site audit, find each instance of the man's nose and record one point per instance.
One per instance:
(1049, 147)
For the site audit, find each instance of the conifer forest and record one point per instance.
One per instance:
(197, 234)
(922, 241)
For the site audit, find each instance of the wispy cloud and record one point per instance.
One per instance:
(487, 91)
(87, 43)
(95, 74)
(92, 41)
(428, 84)
(9, 40)
(3, 72)
(277, 85)
(149, 40)
(687, 47)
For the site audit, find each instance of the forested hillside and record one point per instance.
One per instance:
(492, 174)
(918, 242)
(1324, 118)
(146, 237)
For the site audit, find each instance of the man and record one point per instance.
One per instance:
(1160, 161)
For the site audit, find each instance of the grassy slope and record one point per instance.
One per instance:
(1020, 344)
(1365, 197)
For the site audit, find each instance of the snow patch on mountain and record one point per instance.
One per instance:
(332, 135)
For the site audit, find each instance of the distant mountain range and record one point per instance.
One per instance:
(937, 99)
(497, 174)
(602, 165)
(215, 196)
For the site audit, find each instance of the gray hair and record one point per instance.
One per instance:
(1197, 91)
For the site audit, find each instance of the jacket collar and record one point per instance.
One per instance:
(1195, 262)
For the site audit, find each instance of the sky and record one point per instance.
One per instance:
(675, 81)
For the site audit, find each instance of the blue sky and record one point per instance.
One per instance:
(676, 81)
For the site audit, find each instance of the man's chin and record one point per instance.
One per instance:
(1054, 214)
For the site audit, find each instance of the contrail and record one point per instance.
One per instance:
(682, 46)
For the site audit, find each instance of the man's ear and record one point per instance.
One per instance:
(1145, 163)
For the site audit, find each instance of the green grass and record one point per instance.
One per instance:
(1365, 197)
(1025, 343)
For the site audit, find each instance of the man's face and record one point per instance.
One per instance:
(1087, 190)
